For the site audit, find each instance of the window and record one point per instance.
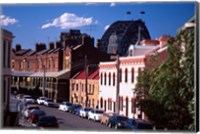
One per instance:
(28, 65)
(121, 103)
(101, 78)
(132, 75)
(113, 79)
(109, 81)
(105, 79)
(126, 75)
(101, 102)
(114, 106)
(13, 64)
(9, 45)
(21, 65)
(76, 87)
(109, 104)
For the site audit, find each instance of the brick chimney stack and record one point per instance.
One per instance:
(40, 47)
(18, 47)
(51, 45)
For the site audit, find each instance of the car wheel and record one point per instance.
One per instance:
(109, 125)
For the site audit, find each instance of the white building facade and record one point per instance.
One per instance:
(129, 68)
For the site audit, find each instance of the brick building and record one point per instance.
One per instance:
(140, 57)
(78, 91)
(6, 45)
(51, 68)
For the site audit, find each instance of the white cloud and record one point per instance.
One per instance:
(112, 4)
(69, 20)
(6, 20)
(106, 27)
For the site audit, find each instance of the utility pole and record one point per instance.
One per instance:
(117, 86)
(86, 82)
(43, 92)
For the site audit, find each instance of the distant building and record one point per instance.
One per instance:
(78, 91)
(140, 57)
(6, 46)
(121, 34)
(51, 68)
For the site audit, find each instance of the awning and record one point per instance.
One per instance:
(61, 74)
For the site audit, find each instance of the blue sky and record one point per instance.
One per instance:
(31, 23)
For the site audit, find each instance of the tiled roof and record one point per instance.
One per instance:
(92, 74)
(22, 51)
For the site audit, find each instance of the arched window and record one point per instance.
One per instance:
(109, 79)
(101, 78)
(113, 79)
(132, 75)
(126, 75)
(105, 79)
(101, 102)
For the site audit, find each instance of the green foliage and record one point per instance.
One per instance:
(168, 90)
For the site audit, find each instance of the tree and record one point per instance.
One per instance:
(166, 93)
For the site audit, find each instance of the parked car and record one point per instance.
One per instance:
(49, 103)
(105, 117)
(28, 99)
(133, 124)
(41, 100)
(35, 114)
(47, 122)
(78, 110)
(84, 112)
(64, 106)
(95, 114)
(74, 107)
(27, 110)
(117, 121)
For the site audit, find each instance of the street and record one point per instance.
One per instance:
(68, 121)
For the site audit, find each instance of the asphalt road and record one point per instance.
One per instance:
(68, 121)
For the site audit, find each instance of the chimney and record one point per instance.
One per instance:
(40, 47)
(163, 40)
(98, 44)
(57, 45)
(51, 45)
(18, 47)
(86, 40)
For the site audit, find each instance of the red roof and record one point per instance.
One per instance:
(92, 74)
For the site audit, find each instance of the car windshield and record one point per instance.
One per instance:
(33, 108)
(27, 97)
(69, 104)
(50, 100)
(38, 112)
(87, 109)
(121, 118)
(99, 112)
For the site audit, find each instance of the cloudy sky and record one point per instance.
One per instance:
(31, 23)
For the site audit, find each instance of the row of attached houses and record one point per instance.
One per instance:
(102, 89)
